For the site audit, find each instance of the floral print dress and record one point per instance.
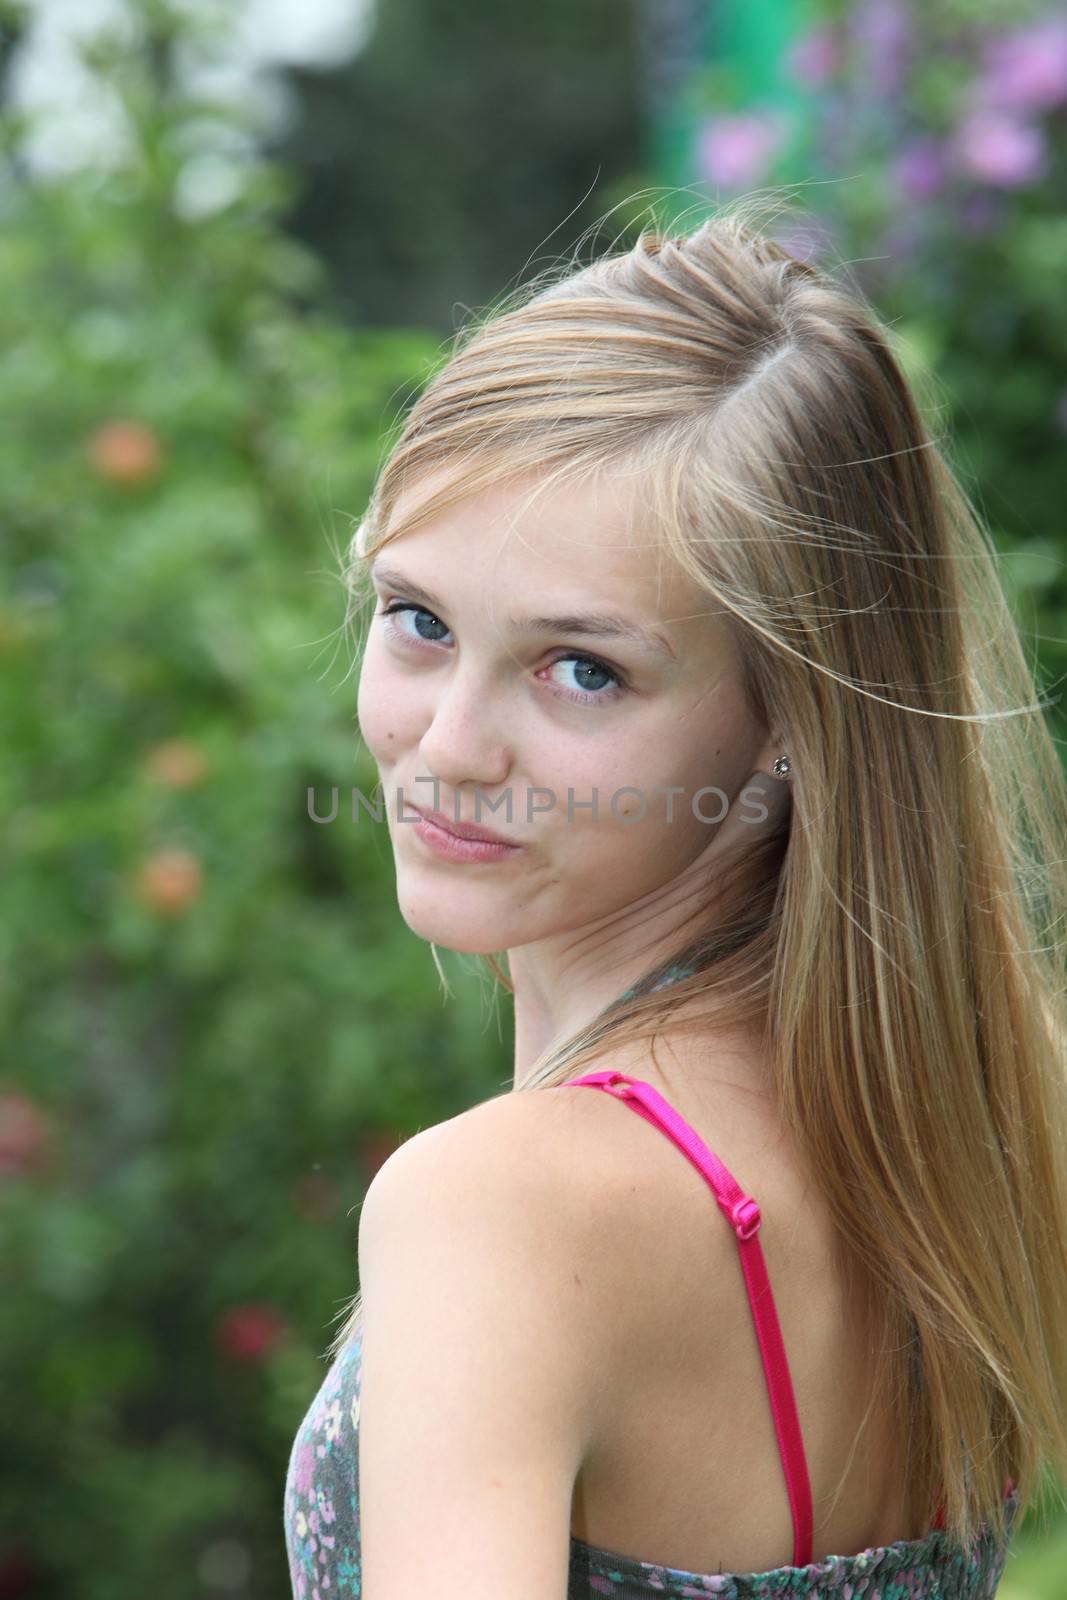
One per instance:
(322, 1487)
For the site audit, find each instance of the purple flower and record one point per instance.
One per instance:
(882, 31)
(1000, 149)
(814, 57)
(982, 212)
(919, 169)
(1027, 70)
(737, 150)
(804, 243)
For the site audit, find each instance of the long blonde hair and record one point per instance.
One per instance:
(906, 950)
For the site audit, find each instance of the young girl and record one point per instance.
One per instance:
(693, 687)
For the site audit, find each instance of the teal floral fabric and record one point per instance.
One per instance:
(672, 975)
(322, 1487)
(911, 1569)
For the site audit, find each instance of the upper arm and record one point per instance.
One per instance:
(479, 1386)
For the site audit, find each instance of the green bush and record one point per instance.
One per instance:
(215, 1026)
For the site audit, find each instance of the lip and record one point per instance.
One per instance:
(462, 830)
(450, 847)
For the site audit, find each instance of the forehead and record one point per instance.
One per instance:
(531, 549)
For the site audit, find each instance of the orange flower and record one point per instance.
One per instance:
(126, 452)
(177, 763)
(170, 880)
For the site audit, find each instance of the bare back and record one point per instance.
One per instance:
(686, 1470)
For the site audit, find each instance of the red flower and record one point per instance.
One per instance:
(25, 1135)
(20, 1574)
(250, 1331)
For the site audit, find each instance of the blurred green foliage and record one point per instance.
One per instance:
(215, 1025)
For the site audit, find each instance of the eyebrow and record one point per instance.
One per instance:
(604, 624)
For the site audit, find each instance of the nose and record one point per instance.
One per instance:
(461, 744)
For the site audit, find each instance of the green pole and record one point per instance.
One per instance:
(737, 65)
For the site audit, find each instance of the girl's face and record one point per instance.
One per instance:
(632, 702)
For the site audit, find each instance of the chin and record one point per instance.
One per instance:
(467, 932)
(447, 937)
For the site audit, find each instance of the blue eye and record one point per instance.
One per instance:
(400, 605)
(584, 663)
(587, 664)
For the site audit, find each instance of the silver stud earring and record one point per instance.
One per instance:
(782, 766)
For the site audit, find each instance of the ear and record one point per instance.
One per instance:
(761, 804)
(777, 745)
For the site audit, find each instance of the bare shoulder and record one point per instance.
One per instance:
(598, 1206)
(537, 1148)
(570, 1149)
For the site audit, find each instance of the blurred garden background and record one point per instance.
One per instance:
(235, 238)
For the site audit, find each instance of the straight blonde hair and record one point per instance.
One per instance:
(905, 952)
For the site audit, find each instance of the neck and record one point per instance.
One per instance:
(535, 1031)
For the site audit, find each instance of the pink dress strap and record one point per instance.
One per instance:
(744, 1216)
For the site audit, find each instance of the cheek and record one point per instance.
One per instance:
(697, 753)
(624, 774)
(382, 709)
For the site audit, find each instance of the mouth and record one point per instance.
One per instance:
(461, 830)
